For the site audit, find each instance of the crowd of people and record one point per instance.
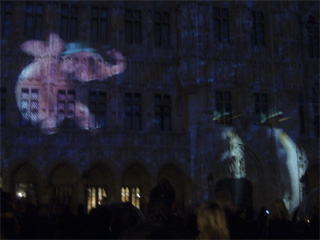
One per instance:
(164, 219)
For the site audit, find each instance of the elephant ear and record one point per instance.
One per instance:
(34, 48)
(55, 44)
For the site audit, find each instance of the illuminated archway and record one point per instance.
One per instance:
(99, 185)
(135, 186)
(25, 182)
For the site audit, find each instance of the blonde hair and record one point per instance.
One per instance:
(212, 222)
(278, 211)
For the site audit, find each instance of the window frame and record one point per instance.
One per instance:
(224, 102)
(100, 19)
(255, 31)
(258, 103)
(35, 16)
(6, 13)
(63, 124)
(132, 116)
(312, 27)
(69, 17)
(4, 95)
(98, 111)
(222, 19)
(162, 113)
(98, 201)
(132, 195)
(162, 23)
(133, 21)
(28, 122)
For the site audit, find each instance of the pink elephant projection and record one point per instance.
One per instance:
(53, 69)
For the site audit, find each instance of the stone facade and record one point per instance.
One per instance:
(239, 50)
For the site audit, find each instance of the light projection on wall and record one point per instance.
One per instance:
(45, 90)
(296, 163)
(235, 154)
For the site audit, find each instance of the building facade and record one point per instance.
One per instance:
(221, 98)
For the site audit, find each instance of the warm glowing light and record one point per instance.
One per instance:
(21, 194)
(308, 221)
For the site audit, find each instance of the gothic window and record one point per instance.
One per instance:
(98, 109)
(131, 194)
(133, 111)
(223, 110)
(96, 194)
(29, 106)
(301, 113)
(261, 108)
(257, 33)
(99, 24)
(315, 109)
(66, 108)
(313, 37)
(209, 100)
(69, 22)
(33, 20)
(133, 27)
(3, 105)
(161, 29)
(63, 193)
(221, 29)
(162, 112)
(6, 19)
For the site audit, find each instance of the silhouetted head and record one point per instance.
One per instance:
(161, 199)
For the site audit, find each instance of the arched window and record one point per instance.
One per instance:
(315, 108)
(95, 196)
(313, 37)
(131, 194)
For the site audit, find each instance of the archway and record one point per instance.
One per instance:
(239, 191)
(176, 179)
(25, 183)
(99, 182)
(135, 186)
(64, 186)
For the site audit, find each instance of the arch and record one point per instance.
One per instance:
(50, 167)
(100, 174)
(63, 186)
(238, 191)
(63, 174)
(176, 178)
(135, 176)
(25, 180)
(26, 172)
(254, 173)
(99, 185)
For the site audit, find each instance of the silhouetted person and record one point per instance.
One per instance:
(161, 223)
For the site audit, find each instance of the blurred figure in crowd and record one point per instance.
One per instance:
(278, 223)
(160, 223)
(212, 222)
